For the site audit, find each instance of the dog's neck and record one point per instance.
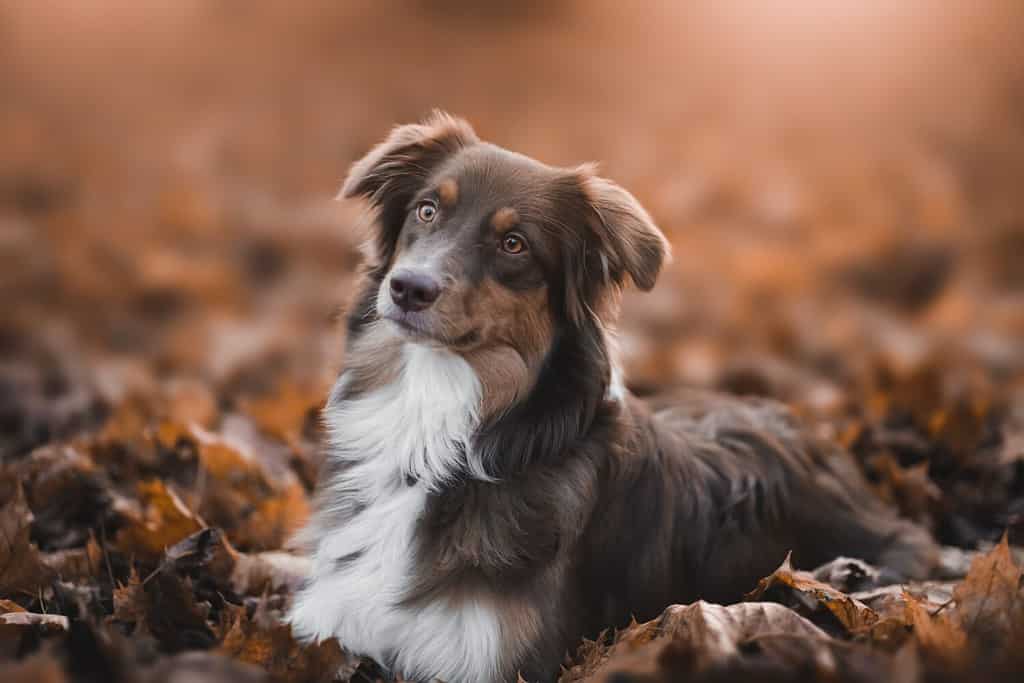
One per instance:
(404, 412)
(450, 415)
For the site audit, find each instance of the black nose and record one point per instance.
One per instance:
(413, 291)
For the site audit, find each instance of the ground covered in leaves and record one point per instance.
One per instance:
(848, 239)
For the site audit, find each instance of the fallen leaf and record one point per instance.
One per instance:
(22, 569)
(18, 626)
(164, 606)
(265, 641)
(244, 574)
(76, 563)
(802, 591)
(256, 506)
(709, 635)
(937, 633)
(164, 521)
(283, 413)
(990, 600)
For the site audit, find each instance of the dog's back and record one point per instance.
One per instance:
(712, 493)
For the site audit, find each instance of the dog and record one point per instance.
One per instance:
(491, 491)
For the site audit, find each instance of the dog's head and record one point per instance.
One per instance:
(480, 248)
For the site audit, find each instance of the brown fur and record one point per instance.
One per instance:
(504, 219)
(448, 189)
(515, 332)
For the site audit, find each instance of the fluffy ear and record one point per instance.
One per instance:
(392, 172)
(631, 244)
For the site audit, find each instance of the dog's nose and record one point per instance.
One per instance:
(413, 291)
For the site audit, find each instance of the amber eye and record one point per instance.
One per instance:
(426, 211)
(513, 243)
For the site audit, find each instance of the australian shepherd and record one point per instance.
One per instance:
(491, 491)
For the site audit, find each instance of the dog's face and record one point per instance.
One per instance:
(481, 248)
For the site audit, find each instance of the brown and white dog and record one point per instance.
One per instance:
(491, 492)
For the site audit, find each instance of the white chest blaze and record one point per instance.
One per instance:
(414, 429)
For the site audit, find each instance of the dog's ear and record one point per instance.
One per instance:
(393, 171)
(631, 244)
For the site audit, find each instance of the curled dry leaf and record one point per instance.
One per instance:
(716, 632)
(692, 638)
(890, 601)
(809, 596)
(244, 574)
(17, 625)
(46, 623)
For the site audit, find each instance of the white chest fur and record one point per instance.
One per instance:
(414, 429)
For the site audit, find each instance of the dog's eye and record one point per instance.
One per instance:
(513, 243)
(426, 211)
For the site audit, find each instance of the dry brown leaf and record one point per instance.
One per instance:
(266, 642)
(715, 632)
(164, 606)
(68, 494)
(990, 600)
(22, 569)
(256, 510)
(124, 437)
(10, 606)
(698, 636)
(18, 625)
(243, 574)
(890, 601)
(164, 521)
(189, 401)
(283, 413)
(77, 563)
(809, 594)
(130, 602)
(908, 488)
(938, 634)
(46, 623)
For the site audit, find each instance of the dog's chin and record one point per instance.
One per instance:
(413, 328)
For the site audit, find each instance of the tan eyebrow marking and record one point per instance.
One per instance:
(448, 190)
(504, 218)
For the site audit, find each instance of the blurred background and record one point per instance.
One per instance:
(841, 182)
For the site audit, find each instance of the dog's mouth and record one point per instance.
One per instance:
(417, 330)
(411, 327)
